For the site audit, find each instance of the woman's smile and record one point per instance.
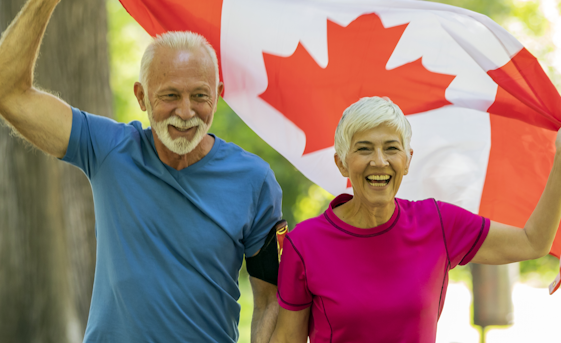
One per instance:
(378, 180)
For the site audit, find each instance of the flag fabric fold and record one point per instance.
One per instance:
(484, 113)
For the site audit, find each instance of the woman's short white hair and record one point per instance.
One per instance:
(179, 40)
(365, 114)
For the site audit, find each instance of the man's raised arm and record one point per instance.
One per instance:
(41, 118)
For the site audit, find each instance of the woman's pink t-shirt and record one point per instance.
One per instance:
(384, 284)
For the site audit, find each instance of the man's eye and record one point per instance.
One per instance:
(362, 149)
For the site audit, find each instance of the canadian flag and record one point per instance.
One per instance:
(483, 112)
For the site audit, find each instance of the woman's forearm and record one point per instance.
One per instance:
(544, 221)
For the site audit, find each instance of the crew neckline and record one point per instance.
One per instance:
(200, 163)
(353, 230)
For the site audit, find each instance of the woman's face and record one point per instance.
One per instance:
(376, 163)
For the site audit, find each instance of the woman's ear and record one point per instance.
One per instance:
(408, 162)
(342, 169)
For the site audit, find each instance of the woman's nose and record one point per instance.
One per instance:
(378, 159)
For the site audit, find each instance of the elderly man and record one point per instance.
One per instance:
(176, 208)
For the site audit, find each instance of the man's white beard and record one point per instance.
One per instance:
(180, 146)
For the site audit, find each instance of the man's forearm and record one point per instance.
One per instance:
(19, 46)
(265, 310)
(263, 322)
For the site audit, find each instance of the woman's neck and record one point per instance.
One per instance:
(355, 213)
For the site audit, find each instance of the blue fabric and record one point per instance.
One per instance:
(170, 243)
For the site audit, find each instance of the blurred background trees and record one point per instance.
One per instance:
(47, 238)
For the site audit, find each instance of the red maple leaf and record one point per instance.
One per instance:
(314, 98)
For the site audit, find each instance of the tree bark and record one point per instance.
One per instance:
(47, 237)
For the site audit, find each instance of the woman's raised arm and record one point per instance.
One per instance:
(507, 244)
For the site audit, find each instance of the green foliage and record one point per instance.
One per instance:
(461, 274)
(127, 41)
(498, 10)
(246, 303)
(308, 204)
(526, 13)
(529, 13)
(540, 272)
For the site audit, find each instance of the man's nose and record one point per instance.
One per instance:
(378, 159)
(184, 109)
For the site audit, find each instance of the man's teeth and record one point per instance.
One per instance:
(182, 128)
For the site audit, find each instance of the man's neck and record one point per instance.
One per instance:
(179, 162)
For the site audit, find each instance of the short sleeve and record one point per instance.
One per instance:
(293, 293)
(464, 232)
(92, 138)
(267, 213)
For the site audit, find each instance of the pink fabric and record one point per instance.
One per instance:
(383, 284)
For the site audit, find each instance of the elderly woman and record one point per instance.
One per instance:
(374, 268)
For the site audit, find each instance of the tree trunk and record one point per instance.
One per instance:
(47, 237)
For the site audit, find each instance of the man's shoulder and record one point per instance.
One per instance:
(105, 125)
(240, 159)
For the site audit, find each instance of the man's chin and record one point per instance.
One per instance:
(182, 146)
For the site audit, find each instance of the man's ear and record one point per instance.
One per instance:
(342, 169)
(220, 89)
(139, 93)
(408, 162)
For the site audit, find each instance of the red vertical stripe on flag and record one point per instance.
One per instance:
(519, 163)
(526, 93)
(160, 16)
(521, 155)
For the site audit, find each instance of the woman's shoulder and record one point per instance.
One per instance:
(416, 205)
(309, 228)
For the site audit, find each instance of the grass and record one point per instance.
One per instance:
(246, 302)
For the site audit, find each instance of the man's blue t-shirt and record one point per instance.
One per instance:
(170, 243)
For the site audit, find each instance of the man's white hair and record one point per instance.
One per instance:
(178, 40)
(365, 114)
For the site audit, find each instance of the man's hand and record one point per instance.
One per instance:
(265, 310)
(41, 118)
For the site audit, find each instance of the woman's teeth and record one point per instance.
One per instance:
(378, 180)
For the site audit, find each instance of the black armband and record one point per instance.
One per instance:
(265, 265)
